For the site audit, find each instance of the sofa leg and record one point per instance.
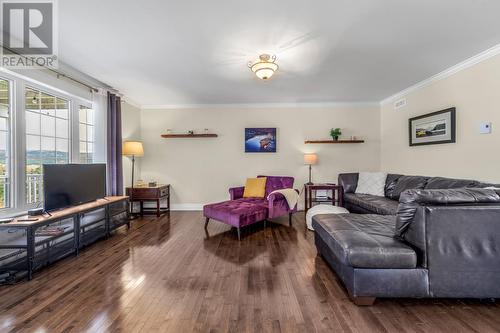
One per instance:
(290, 219)
(206, 222)
(239, 234)
(363, 301)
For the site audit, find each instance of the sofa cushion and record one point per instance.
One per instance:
(364, 240)
(390, 183)
(274, 183)
(239, 212)
(371, 183)
(348, 181)
(407, 183)
(373, 203)
(255, 188)
(486, 185)
(438, 183)
(412, 200)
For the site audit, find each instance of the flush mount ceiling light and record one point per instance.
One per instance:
(265, 67)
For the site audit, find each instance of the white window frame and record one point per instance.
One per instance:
(93, 131)
(17, 162)
(70, 130)
(11, 146)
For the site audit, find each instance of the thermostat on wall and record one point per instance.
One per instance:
(485, 128)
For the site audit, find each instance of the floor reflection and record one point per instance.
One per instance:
(166, 275)
(255, 242)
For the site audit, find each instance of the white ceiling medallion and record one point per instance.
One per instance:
(265, 67)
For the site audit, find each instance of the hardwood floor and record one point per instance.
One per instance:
(166, 275)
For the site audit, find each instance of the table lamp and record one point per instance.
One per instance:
(310, 159)
(134, 149)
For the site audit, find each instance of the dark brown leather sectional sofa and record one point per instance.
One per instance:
(427, 237)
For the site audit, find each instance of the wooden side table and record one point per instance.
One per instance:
(310, 195)
(150, 194)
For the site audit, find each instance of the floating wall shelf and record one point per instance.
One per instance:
(332, 141)
(168, 136)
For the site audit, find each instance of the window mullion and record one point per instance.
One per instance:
(74, 132)
(19, 152)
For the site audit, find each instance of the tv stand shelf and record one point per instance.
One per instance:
(26, 246)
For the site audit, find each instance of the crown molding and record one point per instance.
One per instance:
(259, 105)
(474, 60)
(131, 102)
(49, 87)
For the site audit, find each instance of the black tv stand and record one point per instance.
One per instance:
(29, 246)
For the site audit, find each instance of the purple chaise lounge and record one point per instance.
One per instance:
(239, 212)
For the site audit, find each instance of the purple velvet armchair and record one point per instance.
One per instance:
(239, 211)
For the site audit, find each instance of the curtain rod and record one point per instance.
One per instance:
(58, 74)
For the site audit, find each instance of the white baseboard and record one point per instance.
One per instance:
(199, 207)
(187, 206)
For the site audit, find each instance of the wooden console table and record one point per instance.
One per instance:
(30, 245)
(150, 194)
(310, 195)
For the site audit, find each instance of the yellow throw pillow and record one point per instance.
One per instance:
(255, 188)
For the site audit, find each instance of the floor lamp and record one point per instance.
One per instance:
(132, 149)
(310, 159)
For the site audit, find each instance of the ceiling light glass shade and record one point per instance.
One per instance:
(265, 67)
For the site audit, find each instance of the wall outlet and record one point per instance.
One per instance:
(485, 128)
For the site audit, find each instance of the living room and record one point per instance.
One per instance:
(268, 167)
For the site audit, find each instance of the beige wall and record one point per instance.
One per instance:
(202, 170)
(475, 92)
(131, 130)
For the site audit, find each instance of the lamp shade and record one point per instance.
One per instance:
(310, 159)
(132, 148)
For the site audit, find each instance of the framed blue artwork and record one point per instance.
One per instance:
(260, 140)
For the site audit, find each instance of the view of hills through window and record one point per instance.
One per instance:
(47, 138)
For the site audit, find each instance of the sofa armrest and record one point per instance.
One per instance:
(348, 181)
(410, 200)
(236, 192)
(461, 210)
(462, 252)
(278, 205)
(274, 197)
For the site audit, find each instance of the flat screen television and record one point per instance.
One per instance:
(67, 185)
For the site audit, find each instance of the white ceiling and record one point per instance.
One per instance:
(196, 52)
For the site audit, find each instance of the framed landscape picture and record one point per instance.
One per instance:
(260, 140)
(433, 128)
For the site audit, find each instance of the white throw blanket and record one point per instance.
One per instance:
(322, 209)
(291, 196)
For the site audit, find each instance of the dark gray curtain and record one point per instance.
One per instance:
(114, 165)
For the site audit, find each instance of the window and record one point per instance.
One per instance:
(86, 130)
(41, 125)
(47, 137)
(4, 144)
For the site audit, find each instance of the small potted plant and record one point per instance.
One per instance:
(335, 133)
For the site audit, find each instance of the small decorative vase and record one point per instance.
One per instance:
(335, 138)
